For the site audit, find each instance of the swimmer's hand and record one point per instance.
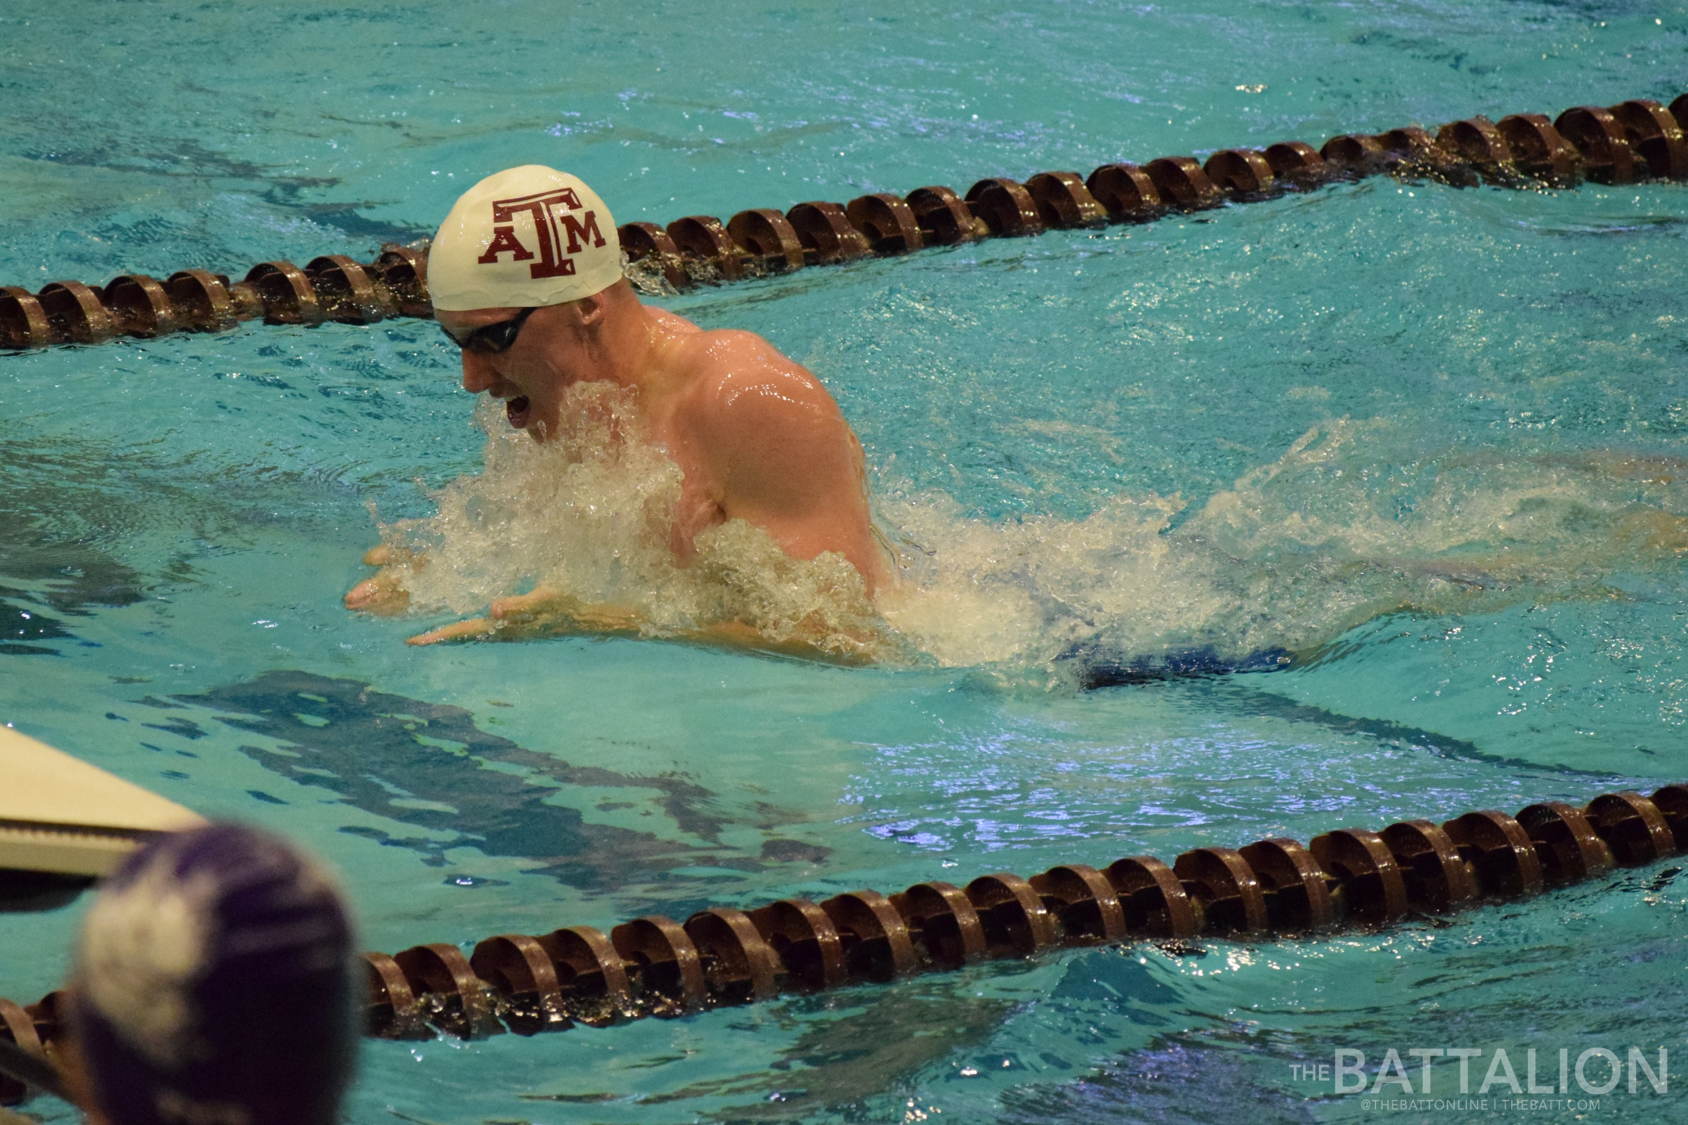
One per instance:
(542, 612)
(382, 595)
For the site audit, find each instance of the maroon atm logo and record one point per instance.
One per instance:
(552, 226)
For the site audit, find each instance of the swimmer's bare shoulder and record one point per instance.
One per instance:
(778, 449)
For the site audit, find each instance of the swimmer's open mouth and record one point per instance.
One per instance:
(517, 411)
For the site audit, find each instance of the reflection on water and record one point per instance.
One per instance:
(60, 559)
(854, 1054)
(844, 1064)
(67, 577)
(1183, 1079)
(428, 764)
(1396, 734)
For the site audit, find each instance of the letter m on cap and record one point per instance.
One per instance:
(582, 230)
(553, 262)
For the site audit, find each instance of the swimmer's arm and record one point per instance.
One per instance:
(546, 612)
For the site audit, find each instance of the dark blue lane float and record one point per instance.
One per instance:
(1621, 144)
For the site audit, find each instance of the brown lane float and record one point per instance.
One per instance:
(202, 301)
(647, 242)
(19, 1028)
(1063, 200)
(826, 234)
(1353, 151)
(1620, 144)
(944, 217)
(1083, 901)
(1349, 879)
(942, 924)
(1538, 149)
(807, 942)
(1607, 157)
(1153, 899)
(522, 971)
(1011, 914)
(23, 322)
(287, 294)
(1300, 898)
(1634, 827)
(453, 998)
(1005, 206)
(661, 964)
(1221, 880)
(1434, 875)
(591, 970)
(1478, 142)
(767, 237)
(1371, 887)
(1655, 133)
(873, 934)
(887, 221)
(75, 313)
(139, 306)
(331, 287)
(1412, 141)
(1182, 183)
(1240, 171)
(706, 248)
(1125, 192)
(347, 292)
(1297, 161)
(1500, 854)
(738, 966)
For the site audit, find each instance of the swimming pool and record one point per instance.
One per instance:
(1425, 437)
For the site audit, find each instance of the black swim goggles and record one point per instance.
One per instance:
(490, 339)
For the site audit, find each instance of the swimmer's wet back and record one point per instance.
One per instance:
(1425, 439)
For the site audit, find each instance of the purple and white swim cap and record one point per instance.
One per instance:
(213, 985)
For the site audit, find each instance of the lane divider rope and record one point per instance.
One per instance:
(1625, 143)
(1351, 879)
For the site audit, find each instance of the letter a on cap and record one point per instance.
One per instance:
(504, 239)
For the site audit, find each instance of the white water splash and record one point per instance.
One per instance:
(1336, 531)
(591, 514)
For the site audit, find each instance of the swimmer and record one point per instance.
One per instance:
(214, 983)
(526, 280)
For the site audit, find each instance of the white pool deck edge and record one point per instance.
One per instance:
(59, 814)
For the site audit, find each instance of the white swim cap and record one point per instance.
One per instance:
(523, 237)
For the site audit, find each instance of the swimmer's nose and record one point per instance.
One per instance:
(478, 374)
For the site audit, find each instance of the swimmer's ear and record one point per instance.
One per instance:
(592, 310)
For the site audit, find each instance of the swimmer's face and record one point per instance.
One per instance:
(552, 351)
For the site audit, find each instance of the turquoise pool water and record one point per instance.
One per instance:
(1429, 439)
